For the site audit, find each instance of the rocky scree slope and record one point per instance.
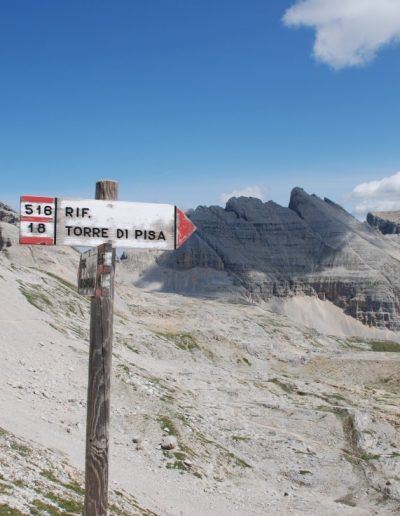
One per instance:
(313, 247)
(270, 417)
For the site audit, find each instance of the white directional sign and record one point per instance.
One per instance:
(88, 222)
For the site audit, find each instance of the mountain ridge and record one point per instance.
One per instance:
(260, 250)
(312, 247)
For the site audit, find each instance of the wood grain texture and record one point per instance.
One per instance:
(98, 402)
(106, 190)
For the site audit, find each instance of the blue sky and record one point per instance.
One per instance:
(182, 101)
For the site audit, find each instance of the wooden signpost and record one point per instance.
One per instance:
(98, 401)
(103, 223)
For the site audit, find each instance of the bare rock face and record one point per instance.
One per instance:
(387, 222)
(7, 214)
(313, 247)
(358, 269)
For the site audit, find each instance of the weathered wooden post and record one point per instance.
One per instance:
(98, 401)
(103, 223)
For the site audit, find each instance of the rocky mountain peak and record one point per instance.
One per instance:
(316, 210)
(312, 247)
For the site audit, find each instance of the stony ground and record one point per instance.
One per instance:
(270, 416)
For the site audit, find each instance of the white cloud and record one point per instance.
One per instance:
(348, 32)
(248, 191)
(379, 195)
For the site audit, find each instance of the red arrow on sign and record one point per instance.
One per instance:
(184, 227)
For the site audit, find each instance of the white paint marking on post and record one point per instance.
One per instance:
(108, 258)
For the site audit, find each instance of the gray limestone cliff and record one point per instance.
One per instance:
(387, 222)
(7, 214)
(313, 247)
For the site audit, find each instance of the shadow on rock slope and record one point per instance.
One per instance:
(260, 250)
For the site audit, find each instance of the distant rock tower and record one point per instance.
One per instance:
(387, 222)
